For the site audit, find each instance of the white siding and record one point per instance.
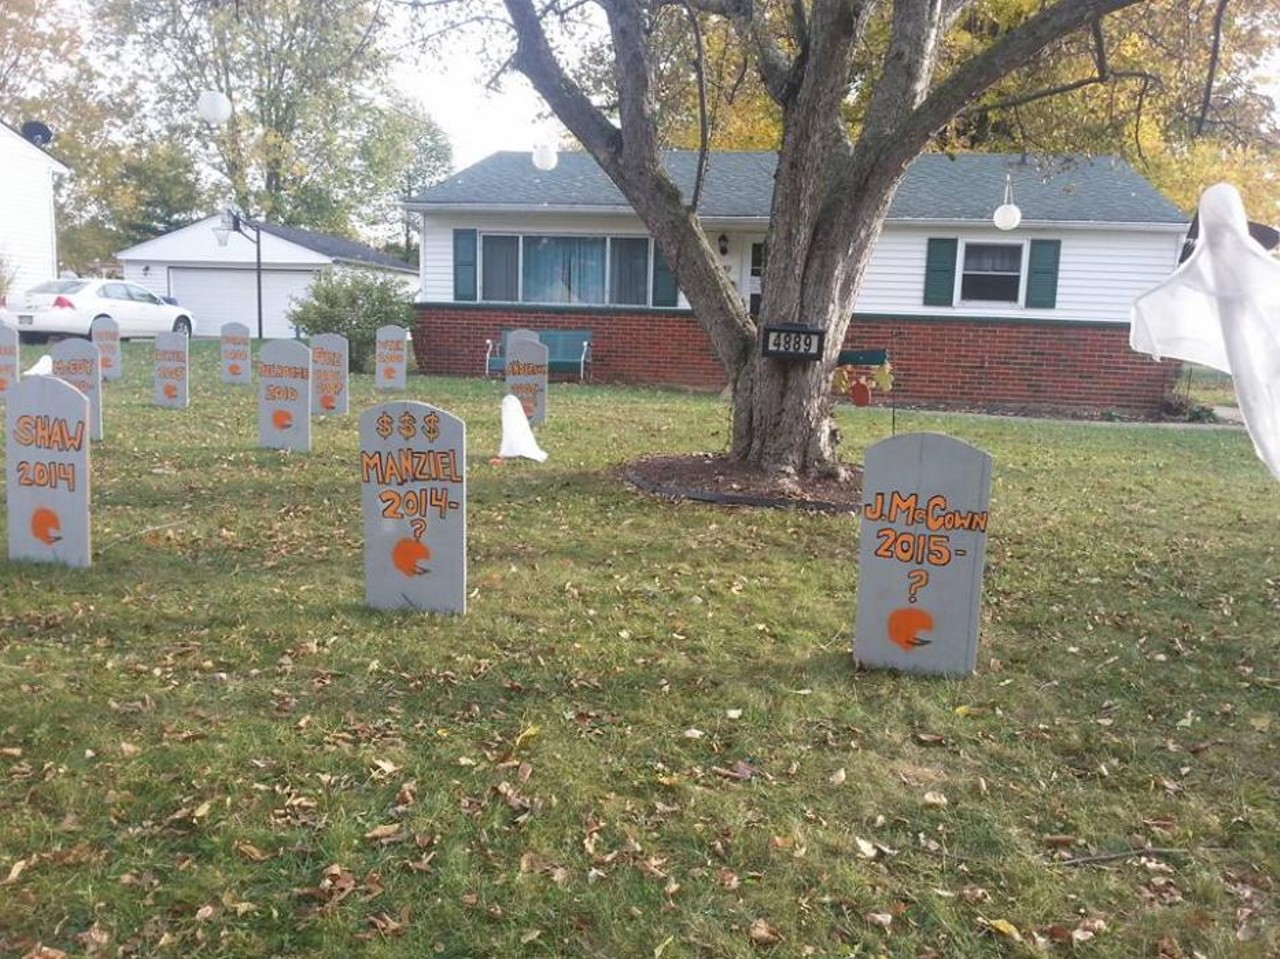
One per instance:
(218, 296)
(28, 239)
(1099, 273)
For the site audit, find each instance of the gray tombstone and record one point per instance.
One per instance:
(329, 365)
(526, 367)
(170, 388)
(284, 395)
(47, 471)
(391, 357)
(521, 334)
(236, 365)
(413, 480)
(78, 362)
(924, 540)
(10, 366)
(105, 333)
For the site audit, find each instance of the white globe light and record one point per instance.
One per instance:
(1007, 216)
(545, 157)
(214, 107)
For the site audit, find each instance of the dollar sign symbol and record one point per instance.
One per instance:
(431, 426)
(384, 425)
(406, 425)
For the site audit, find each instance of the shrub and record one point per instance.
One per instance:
(354, 303)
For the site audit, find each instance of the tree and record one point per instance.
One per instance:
(311, 140)
(892, 64)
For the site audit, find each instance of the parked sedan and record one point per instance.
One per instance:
(69, 306)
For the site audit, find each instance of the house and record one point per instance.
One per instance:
(220, 283)
(28, 237)
(1037, 316)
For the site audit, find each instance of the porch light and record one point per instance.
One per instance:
(545, 157)
(214, 107)
(722, 243)
(1007, 215)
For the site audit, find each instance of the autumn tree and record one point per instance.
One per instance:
(312, 139)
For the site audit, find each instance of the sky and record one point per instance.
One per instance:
(477, 121)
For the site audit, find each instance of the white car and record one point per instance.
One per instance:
(69, 306)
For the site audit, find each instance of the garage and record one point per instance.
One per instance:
(218, 281)
(218, 296)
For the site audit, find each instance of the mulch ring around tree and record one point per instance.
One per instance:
(714, 478)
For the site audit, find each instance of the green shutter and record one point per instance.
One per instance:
(664, 284)
(940, 271)
(1042, 274)
(464, 264)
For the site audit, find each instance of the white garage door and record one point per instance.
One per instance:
(217, 296)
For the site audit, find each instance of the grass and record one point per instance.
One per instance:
(646, 737)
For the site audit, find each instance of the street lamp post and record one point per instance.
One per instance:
(233, 222)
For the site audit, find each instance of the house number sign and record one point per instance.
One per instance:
(791, 342)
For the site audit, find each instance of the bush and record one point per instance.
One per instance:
(354, 303)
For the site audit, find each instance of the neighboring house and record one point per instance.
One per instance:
(971, 315)
(28, 237)
(219, 284)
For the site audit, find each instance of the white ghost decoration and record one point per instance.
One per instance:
(517, 434)
(41, 367)
(1221, 308)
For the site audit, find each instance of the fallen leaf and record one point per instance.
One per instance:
(935, 799)
(763, 934)
(250, 851)
(733, 713)
(389, 832)
(15, 871)
(837, 778)
(882, 919)
(1003, 927)
(866, 848)
(693, 733)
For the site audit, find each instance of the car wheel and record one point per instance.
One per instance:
(182, 325)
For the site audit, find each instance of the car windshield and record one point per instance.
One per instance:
(59, 286)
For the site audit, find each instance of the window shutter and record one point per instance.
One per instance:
(940, 271)
(1042, 274)
(464, 264)
(664, 284)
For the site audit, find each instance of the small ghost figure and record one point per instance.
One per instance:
(1221, 308)
(41, 367)
(517, 434)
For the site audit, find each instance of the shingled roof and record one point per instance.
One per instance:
(335, 247)
(937, 187)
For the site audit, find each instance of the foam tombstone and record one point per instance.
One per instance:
(47, 472)
(526, 372)
(413, 481)
(923, 543)
(170, 384)
(10, 365)
(78, 362)
(236, 366)
(390, 357)
(105, 333)
(284, 396)
(329, 374)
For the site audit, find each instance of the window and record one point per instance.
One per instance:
(538, 268)
(139, 295)
(500, 274)
(992, 271)
(758, 261)
(629, 271)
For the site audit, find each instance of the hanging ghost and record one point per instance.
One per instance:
(1221, 308)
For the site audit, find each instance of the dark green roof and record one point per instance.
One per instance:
(937, 187)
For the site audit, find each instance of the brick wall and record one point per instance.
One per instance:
(997, 364)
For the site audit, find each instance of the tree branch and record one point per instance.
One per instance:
(1011, 51)
(1215, 52)
(1045, 92)
(699, 69)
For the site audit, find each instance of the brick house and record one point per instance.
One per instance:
(971, 315)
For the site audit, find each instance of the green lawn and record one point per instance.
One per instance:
(646, 737)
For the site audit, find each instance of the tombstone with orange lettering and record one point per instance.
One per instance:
(236, 365)
(391, 357)
(171, 372)
(47, 471)
(284, 395)
(9, 364)
(413, 481)
(78, 362)
(329, 365)
(105, 333)
(526, 363)
(923, 544)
